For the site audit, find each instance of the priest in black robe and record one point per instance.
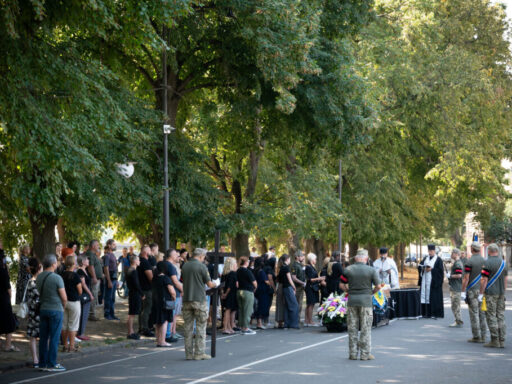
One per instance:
(431, 272)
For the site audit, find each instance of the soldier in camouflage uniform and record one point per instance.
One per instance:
(473, 270)
(494, 284)
(455, 282)
(359, 278)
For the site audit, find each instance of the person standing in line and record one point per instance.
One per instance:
(135, 295)
(110, 272)
(431, 277)
(73, 287)
(124, 260)
(324, 290)
(85, 300)
(270, 270)
(179, 295)
(195, 277)
(471, 291)
(145, 271)
(23, 273)
(334, 271)
(163, 292)
(494, 284)
(32, 298)
(7, 319)
(299, 279)
(228, 295)
(291, 307)
(357, 280)
(262, 292)
(455, 282)
(171, 257)
(153, 254)
(245, 295)
(95, 271)
(312, 289)
(53, 299)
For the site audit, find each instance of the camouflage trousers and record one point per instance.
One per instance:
(476, 315)
(496, 316)
(455, 297)
(359, 319)
(198, 312)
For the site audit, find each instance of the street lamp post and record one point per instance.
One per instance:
(340, 182)
(167, 129)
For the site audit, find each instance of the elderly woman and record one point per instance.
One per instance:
(312, 289)
(32, 298)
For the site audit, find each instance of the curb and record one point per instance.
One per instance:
(84, 351)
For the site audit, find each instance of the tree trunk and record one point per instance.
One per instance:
(293, 243)
(456, 238)
(43, 234)
(353, 246)
(373, 252)
(402, 260)
(240, 245)
(61, 229)
(261, 245)
(317, 246)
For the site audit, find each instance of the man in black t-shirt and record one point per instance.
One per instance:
(145, 271)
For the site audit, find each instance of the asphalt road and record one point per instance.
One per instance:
(406, 351)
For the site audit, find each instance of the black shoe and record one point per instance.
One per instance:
(149, 334)
(133, 336)
(171, 340)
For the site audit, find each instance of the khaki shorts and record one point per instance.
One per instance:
(71, 320)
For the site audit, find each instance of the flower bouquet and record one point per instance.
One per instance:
(333, 313)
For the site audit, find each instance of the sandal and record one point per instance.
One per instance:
(13, 348)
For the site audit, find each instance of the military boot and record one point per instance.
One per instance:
(494, 343)
(475, 340)
(502, 343)
(455, 325)
(368, 357)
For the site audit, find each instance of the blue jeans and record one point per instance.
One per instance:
(109, 299)
(50, 325)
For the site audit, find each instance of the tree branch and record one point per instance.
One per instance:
(150, 57)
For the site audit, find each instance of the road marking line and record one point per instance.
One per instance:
(266, 359)
(109, 362)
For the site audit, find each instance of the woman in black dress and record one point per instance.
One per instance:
(262, 293)
(23, 273)
(312, 289)
(228, 295)
(87, 296)
(163, 291)
(32, 299)
(7, 321)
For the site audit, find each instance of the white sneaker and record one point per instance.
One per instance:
(77, 340)
(248, 332)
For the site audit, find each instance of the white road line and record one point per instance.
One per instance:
(266, 359)
(107, 362)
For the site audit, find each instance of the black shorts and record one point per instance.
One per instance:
(134, 304)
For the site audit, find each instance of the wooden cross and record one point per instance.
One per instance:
(216, 257)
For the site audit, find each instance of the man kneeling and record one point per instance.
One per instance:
(357, 280)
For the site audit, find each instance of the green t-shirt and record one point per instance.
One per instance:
(474, 266)
(360, 278)
(297, 269)
(195, 275)
(489, 270)
(96, 263)
(457, 269)
(48, 294)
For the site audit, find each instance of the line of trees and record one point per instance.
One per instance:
(414, 98)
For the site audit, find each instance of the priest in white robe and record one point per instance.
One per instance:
(386, 268)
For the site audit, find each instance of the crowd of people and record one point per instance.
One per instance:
(65, 291)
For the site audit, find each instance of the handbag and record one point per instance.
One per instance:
(85, 298)
(22, 309)
(169, 305)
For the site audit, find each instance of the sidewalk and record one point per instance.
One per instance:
(104, 334)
